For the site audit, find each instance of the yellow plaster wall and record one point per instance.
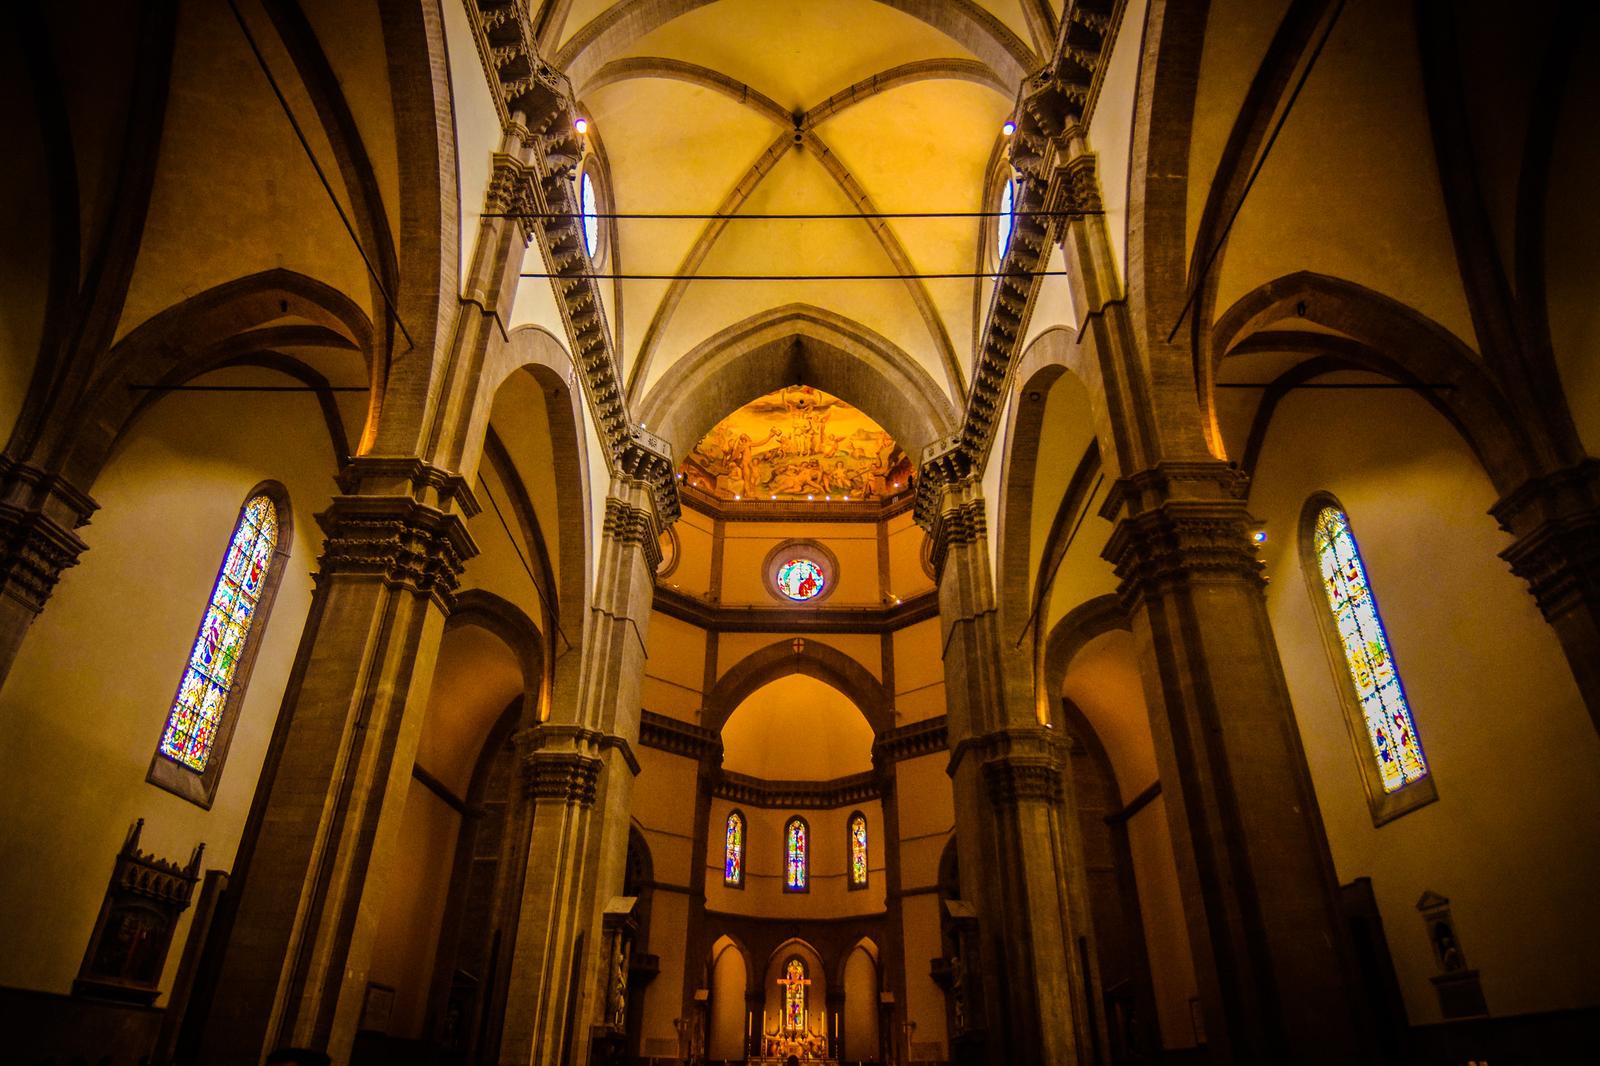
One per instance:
(1511, 747)
(918, 672)
(674, 668)
(907, 576)
(87, 698)
(745, 548)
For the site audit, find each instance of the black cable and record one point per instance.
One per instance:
(523, 559)
(779, 216)
(958, 275)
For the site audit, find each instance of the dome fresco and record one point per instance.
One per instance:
(794, 444)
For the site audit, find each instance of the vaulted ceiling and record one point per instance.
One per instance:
(752, 107)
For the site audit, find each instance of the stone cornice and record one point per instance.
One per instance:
(664, 733)
(807, 795)
(535, 100)
(777, 618)
(926, 737)
(1051, 113)
(397, 473)
(637, 526)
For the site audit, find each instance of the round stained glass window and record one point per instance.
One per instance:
(800, 580)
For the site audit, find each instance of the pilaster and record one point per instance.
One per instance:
(1556, 520)
(579, 772)
(1257, 879)
(40, 514)
(326, 820)
(1019, 855)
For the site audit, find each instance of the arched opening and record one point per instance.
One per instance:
(861, 1004)
(446, 928)
(729, 985)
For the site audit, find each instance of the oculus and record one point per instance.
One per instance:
(801, 580)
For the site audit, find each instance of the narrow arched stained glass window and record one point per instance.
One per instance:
(1396, 749)
(796, 867)
(794, 995)
(589, 211)
(196, 713)
(858, 850)
(733, 856)
(1008, 218)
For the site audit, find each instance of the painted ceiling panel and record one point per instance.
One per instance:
(798, 52)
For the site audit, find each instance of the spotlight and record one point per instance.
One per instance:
(1259, 536)
(1008, 129)
(581, 125)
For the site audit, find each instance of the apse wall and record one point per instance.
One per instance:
(99, 668)
(1510, 840)
(764, 895)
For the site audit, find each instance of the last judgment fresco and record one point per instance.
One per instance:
(798, 443)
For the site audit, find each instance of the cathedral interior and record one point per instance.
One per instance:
(911, 532)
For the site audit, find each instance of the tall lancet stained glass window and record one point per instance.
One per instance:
(733, 856)
(794, 995)
(797, 856)
(857, 832)
(196, 714)
(1396, 750)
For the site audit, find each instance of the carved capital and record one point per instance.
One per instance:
(398, 540)
(511, 192)
(565, 776)
(1556, 519)
(1013, 778)
(1183, 542)
(635, 526)
(1080, 186)
(392, 475)
(38, 515)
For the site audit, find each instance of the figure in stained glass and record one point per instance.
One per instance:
(1390, 729)
(800, 580)
(796, 864)
(196, 712)
(733, 861)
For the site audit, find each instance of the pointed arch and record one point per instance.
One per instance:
(821, 661)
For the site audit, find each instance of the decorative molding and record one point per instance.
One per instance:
(927, 737)
(662, 733)
(687, 607)
(405, 543)
(804, 795)
(1051, 113)
(536, 101)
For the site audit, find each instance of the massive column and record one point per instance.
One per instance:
(1556, 520)
(1253, 863)
(327, 817)
(579, 768)
(1029, 997)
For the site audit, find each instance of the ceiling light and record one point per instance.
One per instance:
(809, 496)
(736, 496)
(581, 124)
(1259, 536)
(1008, 129)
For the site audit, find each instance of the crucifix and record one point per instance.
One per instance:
(794, 982)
